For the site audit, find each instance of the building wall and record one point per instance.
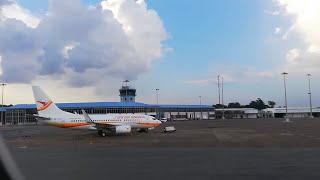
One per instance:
(24, 116)
(252, 116)
(301, 112)
(20, 116)
(236, 113)
(298, 115)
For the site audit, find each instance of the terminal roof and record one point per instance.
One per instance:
(109, 104)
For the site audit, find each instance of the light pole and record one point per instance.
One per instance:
(309, 75)
(219, 89)
(200, 107)
(285, 95)
(157, 115)
(2, 103)
(222, 97)
(126, 81)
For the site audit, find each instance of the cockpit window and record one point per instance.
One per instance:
(154, 119)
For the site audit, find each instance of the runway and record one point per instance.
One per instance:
(168, 163)
(215, 149)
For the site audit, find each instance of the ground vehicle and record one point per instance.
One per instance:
(169, 129)
(164, 119)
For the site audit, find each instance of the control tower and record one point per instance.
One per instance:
(127, 93)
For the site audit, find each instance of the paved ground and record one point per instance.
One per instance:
(215, 149)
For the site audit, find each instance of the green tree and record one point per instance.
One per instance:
(234, 105)
(271, 104)
(258, 104)
(219, 106)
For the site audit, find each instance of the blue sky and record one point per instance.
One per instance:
(209, 34)
(232, 38)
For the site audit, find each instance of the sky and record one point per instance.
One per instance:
(82, 50)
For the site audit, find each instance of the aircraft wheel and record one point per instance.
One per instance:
(143, 131)
(103, 134)
(99, 132)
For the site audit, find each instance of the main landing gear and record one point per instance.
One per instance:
(102, 133)
(143, 130)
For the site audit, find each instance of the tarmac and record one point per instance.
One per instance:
(199, 149)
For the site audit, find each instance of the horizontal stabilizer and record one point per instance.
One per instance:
(40, 117)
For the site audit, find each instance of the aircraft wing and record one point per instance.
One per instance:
(97, 125)
(104, 126)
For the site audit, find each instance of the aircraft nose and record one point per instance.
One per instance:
(159, 122)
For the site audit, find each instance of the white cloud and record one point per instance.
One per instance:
(0, 65)
(232, 74)
(143, 27)
(5, 2)
(201, 81)
(68, 48)
(265, 74)
(277, 30)
(293, 55)
(273, 13)
(14, 11)
(306, 16)
(301, 62)
(78, 45)
(286, 34)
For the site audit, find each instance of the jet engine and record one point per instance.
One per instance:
(122, 129)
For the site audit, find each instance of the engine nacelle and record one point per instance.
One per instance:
(122, 129)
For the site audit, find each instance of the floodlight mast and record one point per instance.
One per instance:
(309, 76)
(285, 94)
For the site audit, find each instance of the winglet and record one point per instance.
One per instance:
(86, 117)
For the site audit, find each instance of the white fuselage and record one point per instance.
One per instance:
(49, 113)
(77, 121)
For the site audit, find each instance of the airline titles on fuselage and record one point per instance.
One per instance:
(130, 117)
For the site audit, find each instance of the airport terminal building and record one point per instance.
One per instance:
(23, 113)
(292, 112)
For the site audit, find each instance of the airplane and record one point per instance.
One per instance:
(50, 114)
